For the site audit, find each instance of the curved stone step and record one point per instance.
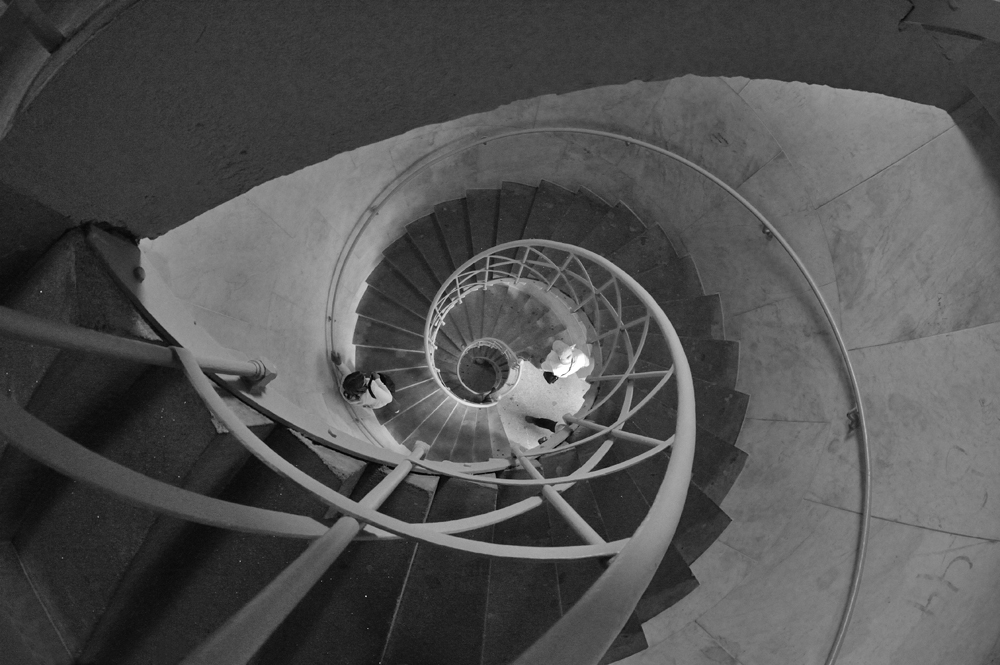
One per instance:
(576, 577)
(499, 442)
(613, 505)
(523, 596)
(696, 316)
(446, 590)
(513, 209)
(407, 397)
(404, 423)
(617, 228)
(453, 221)
(406, 259)
(377, 306)
(430, 427)
(374, 359)
(550, 204)
(394, 287)
(483, 206)
(448, 437)
(382, 335)
(430, 242)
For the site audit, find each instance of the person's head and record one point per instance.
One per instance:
(354, 384)
(567, 353)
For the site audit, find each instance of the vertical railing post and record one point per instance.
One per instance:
(573, 518)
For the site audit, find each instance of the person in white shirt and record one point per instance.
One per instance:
(563, 360)
(371, 391)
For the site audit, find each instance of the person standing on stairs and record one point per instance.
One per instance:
(371, 391)
(563, 360)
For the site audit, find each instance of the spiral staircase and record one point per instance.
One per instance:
(450, 319)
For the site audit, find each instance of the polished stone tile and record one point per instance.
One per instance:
(229, 332)
(703, 120)
(667, 192)
(736, 259)
(689, 646)
(789, 362)
(927, 597)
(622, 109)
(841, 137)
(408, 149)
(781, 461)
(932, 412)
(226, 259)
(915, 252)
(718, 571)
(737, 83)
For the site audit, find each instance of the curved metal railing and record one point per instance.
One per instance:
(241, 636)
(476, 139)
(610, 600)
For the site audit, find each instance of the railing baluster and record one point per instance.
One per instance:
(635, 375)
(236, 642)
(592, 296)
(40, 25)
(558, 274)
(573, 518)
(617, 433)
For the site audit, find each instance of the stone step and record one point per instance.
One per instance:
(645, 251)
(78, 543)
(406, 259)
(499, 443)
(514, 208)
(407, 397)
(379, 307)
(443, 444)
(576, 577)
(429, 428)
(346, 618)
(551, 202)
(697, 316)
(453, 221)
(617, 228)
(406, 422)
(523, 596)
(374, 359)
(396, 288)
(375, 333)
(442, 610)
(483, 206)
(582, 216)
(427, 236)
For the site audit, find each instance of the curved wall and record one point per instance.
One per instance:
(857, 183)
(175, 108)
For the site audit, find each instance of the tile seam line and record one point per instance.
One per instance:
(267, 214)
(917, 339)
(782, 420)
(784, 298)
(712, 208)
(902, 523)
(227, 316)
(888, 166)
(715, 639)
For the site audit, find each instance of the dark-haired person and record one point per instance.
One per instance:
(371, 391)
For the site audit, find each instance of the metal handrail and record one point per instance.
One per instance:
(488, 267)
(476, 139)
(34, 330)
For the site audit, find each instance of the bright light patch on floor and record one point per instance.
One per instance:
(534, 397)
